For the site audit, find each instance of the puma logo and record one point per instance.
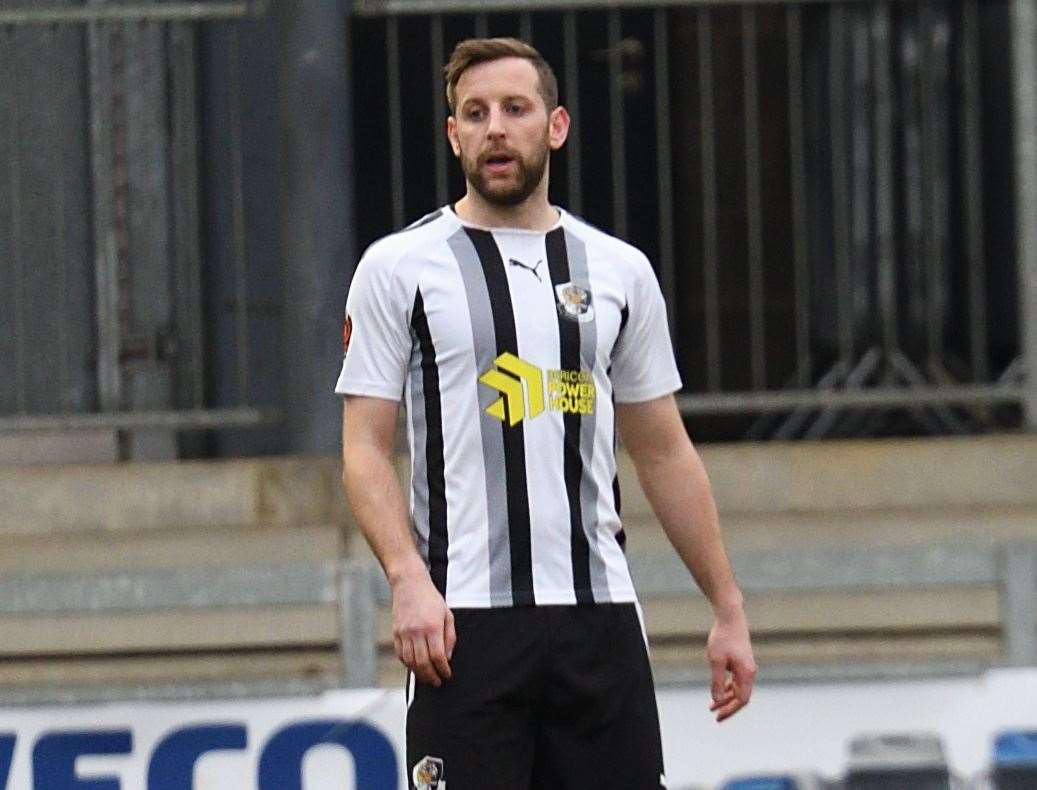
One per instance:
(527, 267)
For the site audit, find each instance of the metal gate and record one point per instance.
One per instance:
(824, 188)
(101, 302)
(840, 198)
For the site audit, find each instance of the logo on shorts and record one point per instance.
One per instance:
(428, 774)
(574, 302)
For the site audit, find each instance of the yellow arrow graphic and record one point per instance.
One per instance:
(532, 377)
(512, 390)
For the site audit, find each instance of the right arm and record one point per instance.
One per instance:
(422, 625)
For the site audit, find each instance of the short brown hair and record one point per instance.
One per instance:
(481, 50)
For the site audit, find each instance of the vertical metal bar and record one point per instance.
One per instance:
(572, 100)
(885, 225)
(934, 78)
(526, 27)
(798, 179)
(357, 639)
(238, 215)
(1024, 67)
(710, 269)
(392, 55)
(439, 110)
(14, 144)
(186, 251)
(913, 290)
(317, 202)
(617, 125)
(840, 234)
(754, 212)
(667, 269)
(861, 156)
(972, 178)
(106, 264)
(482, 26)
(119, 119)
(1018, 604)
(61, 248)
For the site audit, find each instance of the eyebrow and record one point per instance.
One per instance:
(512, 97)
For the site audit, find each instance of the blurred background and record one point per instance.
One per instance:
(839, 199)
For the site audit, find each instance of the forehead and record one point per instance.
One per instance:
(492, 79)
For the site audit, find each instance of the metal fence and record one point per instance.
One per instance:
(102, 302)
(357, 589)
(825, 188)
(840, 198)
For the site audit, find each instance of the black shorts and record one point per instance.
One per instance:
(542, 698)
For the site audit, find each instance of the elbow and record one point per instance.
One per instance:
(651, 452)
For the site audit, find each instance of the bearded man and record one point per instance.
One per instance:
(520, 339)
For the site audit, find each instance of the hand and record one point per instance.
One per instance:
(422, 628)
(731, 661)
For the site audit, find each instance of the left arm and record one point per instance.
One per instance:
(677, 487)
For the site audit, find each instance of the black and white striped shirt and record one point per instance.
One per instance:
(509, 348)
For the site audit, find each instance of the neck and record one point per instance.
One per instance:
(533, 213)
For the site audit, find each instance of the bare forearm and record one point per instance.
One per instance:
(378, 505)
(679, 491)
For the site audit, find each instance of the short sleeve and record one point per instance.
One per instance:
(376, 334)
(643, 366)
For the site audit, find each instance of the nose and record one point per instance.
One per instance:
(495, 123)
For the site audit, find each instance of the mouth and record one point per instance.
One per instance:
(498, 163)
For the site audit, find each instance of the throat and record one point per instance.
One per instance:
(534, 213)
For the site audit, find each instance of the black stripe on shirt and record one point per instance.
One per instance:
(569, 343)
(437, 511)
(514, 437)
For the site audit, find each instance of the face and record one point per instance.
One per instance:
(502, 132)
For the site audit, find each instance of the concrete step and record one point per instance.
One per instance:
(894, 474)
(169, 548)
(748, 478)
(180, 668)
(981, 525)
(116, 633)
(181, 495)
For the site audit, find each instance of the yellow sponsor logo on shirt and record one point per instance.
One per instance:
(523, 394)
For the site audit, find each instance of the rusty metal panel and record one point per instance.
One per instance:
(45, 285)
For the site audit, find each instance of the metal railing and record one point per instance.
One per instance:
(813, 189)
(43, 14)
(822, 185)
(357, 589)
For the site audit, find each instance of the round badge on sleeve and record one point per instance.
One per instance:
(347, 332)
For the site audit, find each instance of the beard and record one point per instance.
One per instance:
(497, 192)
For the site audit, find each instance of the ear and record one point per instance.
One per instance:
(558, 127)
(451, 133)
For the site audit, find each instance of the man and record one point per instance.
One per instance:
(520, 338)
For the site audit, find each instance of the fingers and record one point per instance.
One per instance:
(744, 675)
(450, 634)
(735, 692)
(405, 650)
(428, 654)
(719, 681)
(423, 667)
(437, 656)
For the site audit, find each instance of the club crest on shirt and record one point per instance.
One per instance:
(428, 774)
(347, 333)
(574, 302)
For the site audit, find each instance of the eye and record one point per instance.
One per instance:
(474, 113)
(513, 108)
